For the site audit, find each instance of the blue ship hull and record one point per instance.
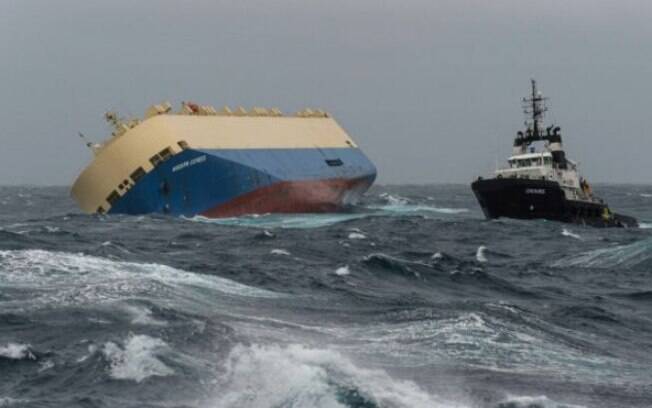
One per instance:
(229, 182)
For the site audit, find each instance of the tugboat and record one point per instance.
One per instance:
(543, 184)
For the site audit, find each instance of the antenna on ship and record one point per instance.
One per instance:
(94, 147)
(534, 107)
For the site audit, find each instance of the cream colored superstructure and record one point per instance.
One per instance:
(133, 147)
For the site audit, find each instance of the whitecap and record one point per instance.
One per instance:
(17, 351)
(143, 316)
(533, 401)
(284, 221)
(67, 278)
(45, 365)
(645, 225)
(91, 350)
(8, 401)
(620, 255)
(437, 256)
(343, 270)
(646, 195)
(568, 233)
(357, 235)
(137, 359)
(480, 254)
(394, 199)
(263, 376)
(280, 252)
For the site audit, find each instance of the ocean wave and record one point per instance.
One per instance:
(568, 233)
(533, 402)
(62, 277)
(137, 359)
(289, 221)
(480, 254)
(343, 271)
(17, 351)
(393, 264)
(143, 316)
(309, 221)
(357, 235)
(10, 402)
(278, 251)
(628, 255)
(296, 376)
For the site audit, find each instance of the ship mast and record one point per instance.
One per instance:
(534, 108)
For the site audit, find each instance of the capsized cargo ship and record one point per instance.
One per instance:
(200, 161)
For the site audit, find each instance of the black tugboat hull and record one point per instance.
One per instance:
(541, 199)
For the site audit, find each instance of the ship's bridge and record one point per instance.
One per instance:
(531, 165)
(542, 159)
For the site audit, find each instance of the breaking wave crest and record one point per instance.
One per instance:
(137, 359)
(68, 278)
(297, 376)
(533, 402)
(15, 351)
(395, 206)
(629, 255)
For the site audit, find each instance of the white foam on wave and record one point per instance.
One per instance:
(9, 402)
(645, 225)
(357, 235)
(284, 221)
(92, 348)
(280, 252)
(61, 277)
(297, 376)
(143, 316)
(343, 271)
(646, 195)
(45, 365)
(534, 401)
(568, 233)
(480, 254)
(621, 255)
(137, 359)
(17, 351)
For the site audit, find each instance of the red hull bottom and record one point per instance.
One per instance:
(294, 197)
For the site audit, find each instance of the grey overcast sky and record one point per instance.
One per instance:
(430, 89)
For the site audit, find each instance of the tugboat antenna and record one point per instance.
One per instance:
(535, 106)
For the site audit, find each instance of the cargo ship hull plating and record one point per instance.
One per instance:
(224, 183)
(201, 162)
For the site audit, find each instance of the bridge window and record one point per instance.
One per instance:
(183, 144)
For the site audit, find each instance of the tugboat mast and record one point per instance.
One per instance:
(534, 108)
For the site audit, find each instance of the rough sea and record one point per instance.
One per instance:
(413, 299)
